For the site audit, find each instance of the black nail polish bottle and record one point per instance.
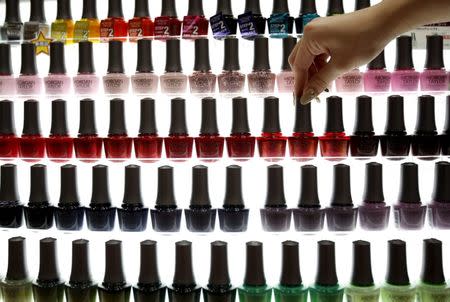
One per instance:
(69, 215)
(275, 216)
(149, 287)
(425, 142)
(114, 287)
(48, 286)
(233, 216)
(200, 217)
(363, 142)
(100, 215)
(132, 215)
(38, 211)
(166, 216)
(444, 138)
(11, 209)
(184, 288)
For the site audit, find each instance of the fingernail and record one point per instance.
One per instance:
(308, 95)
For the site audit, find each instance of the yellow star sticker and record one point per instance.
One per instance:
(42, 44)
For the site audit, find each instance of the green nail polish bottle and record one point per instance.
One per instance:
(362, 288)
(326, 288)
(290, 288)
(397, 287)
(255, 288)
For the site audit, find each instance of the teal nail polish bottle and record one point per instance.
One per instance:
(362, 288)
(255, 288)
(326, 288)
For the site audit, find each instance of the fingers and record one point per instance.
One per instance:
(300, 65)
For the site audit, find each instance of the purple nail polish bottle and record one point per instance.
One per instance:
(434, 77)
(7, 80)
(341, 214)
(409, 212)
(444, 138)
(439, 207)
(377, 78)
(373, 212)
(425, 141)
(404, 77)
(363, 142)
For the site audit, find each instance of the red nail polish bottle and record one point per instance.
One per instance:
(178, 144)
(117, 144)
(209, 144)
(148, 145)
(195, 24)
(114, 27)
(303, 143)
(59, 144)
(141, 25)
(31, 143)
(271, 143)
(167, 25)
(88, 146)
(8, 138)
(334, 143)
(240, 143)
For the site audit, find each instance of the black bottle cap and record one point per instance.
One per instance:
(409, 183)
(426, 121)
(271, 123)
(275, 187)
(288, 46)
(290, 268)
(28, 64)
(115, 57)
(87, 117)
(178, 116)
(31, 124)
(303, 118)
(57, 60)
(373, 188)
(117, 117)
(17, 260)
(144, 56)
(132, 193)
(253, 7)
(233, 188)
(280, 7)
(89, 9)
(7, 117)
(173, 58)
(48, 261)
(240, 116)
(184, 273)
(435, 52)
(115, 9)
(231, 54)
(168, 8)
(5, 59)
(224, 7)
(308, 7)
(395, 121)
(342, 195)
(363, 115)
(334, 122)
(80, 272)
(141, 8)
(219, 275)
(309, 196)
(38, 184)
(377, 63)
(113, 263)
(261, 54)
(166, 195)
(37, 12)
(362, 4)
(12, 11)
(432, 268)
(254, 269)
(200, 193)
(148, 119)
(85, 57)
(404, 59)
(8, 183)
(100, 187)
(335, 7)
(63, 10)
(69, 192)
(59, 120)
(397, 273)
(201, 62)
(362, 267)
(326, 266)
(447, 116)
(441, 189)
(148, 273)
(195, 8)
(209, 116)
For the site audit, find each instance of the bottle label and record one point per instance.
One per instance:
(12, 31)
(219, 26)
(247, 25)
(107, 29)
(278, 24)
(192, 26)
(82, 84)
(59, 31)
(81, 31)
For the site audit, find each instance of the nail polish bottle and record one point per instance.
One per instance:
(397, 286)
(59, 144)
(363, 142)
(8, 139)
(11, 208)
(62, 28)
(285, 79)
(86, 82)
(326, 287)
(132, 214)
(38, 212)
(81, 287)
(255, 288)
(31, 143)
(445, 136)
(275, 216)
(240, 143)
(351, 81)
(13, 26)
(303, 144)
(117, 144)
(231, 81)
(341, 214)
(335, 7)
(223, 23)
(290, 287)
(166, 216)
(141, 25)
(57, 82)
(261, 80)
(17, 284)
(395, 143)
(438, 208)
(100, 215)
(425, 141)
(114, 27)
(308, 12)
(195, 23)
(37, 23)
(200, 217)
(219, 288)
(115, 81)
(209, 144)
(280, 22)
(173, 81)
(373, 211)
(233, 216)
(167, 25)
(69, 215)
(404, 77)
(29, 83)
(252, 23)
(409, 212)
(362, 287)
(184, 287)
(309, 216)
(148, 145)
(88, 27)
(149, 287)
(376, 78)
(202, 80)
(114, 287)
(434, 76)
(334, 143)
(88, 146)
(271, 143)
(7, 79)
(178, 144)
(144, 81)
(48, 285)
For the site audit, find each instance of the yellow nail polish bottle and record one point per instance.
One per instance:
(62, 27)
(88, 27)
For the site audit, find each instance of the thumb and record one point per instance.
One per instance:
(319, 82)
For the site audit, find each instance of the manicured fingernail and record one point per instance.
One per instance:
(308, 95)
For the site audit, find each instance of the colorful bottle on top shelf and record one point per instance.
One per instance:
(363, 141)
(12, 208)
(251, 22)
(57, 82)
(88, 145)
(59, 144)
(141, 25)
(261, 80)
(280, 22)
(117, 144)
(445, 135)
(209, 144)
(88, 27)
(178, 144)
(308, 12)
(114, 27)
(31, 143)
(223, 23)
(231, 81)
(376, 78)
(439, 206)
(173, 81)
(144, 81)
(202, 80)
(167, 25)
(115, 81)
(425, 143)
(7, 79)
(303, 144)
(285, 79)
(195, 23)
(29, 83)
(434, 77)
(37, 23)
(12, 27)
(9, 143)
(86, 82)
(335, 7)
(62, 28)
(240, 143)
(404, 77)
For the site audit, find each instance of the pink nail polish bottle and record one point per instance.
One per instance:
(115, 81)
(144, 81)
(231, 80)
(202, 80)
(351, 81)
(57, 83)
(404, 77)
(377, 78)
(434, 77)
(28, 83)
(7, 80)
(86, 82)
(173, 81)
(285, 79)
(261, 80)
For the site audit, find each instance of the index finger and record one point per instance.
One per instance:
(303, 60)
